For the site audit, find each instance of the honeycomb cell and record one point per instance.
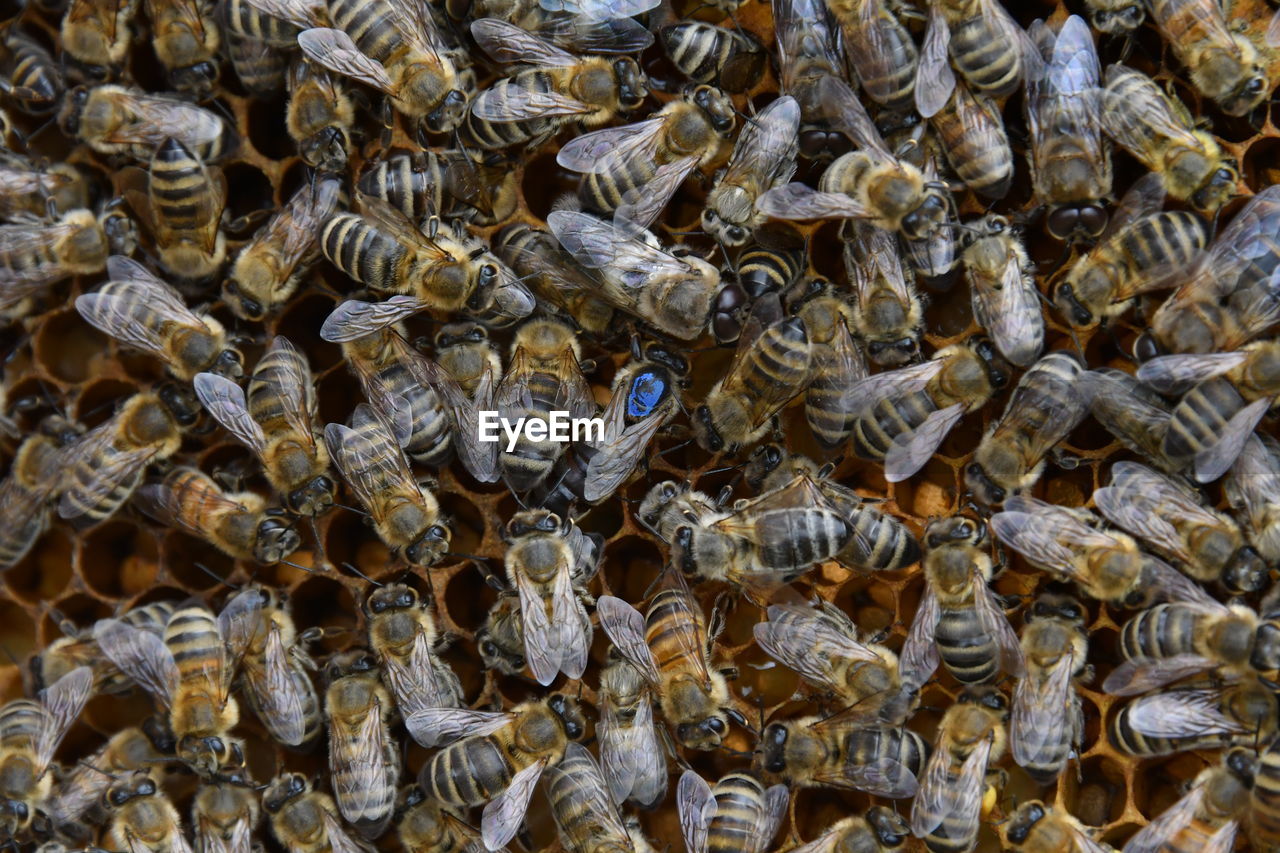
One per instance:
(45, 571)
(1260, 167)
(253, 190)
(118, 559)
(69, 348)
(543, 182)
(1104, 774)
(324, 602)
(73, 613)
(632, 562)
(17, 631)
(298, 322)
(98, 400)
(465, 522)
(194, 563)
(267, 131)
(466, 602)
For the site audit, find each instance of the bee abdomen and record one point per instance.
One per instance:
(362, 251)
(892, 545)
(667, 626)
(739, 802)
(193, 637)
(1175, 236)
(504, 134)
(989, 62)
(1199, 420)
(1264, 817)
(602, 192)
(796, 539)
(245, 20)
(1161, 631)
(965, 648)
(21, 722)
(874, 435)
(411, 183)
(467, 773)
(369, 25)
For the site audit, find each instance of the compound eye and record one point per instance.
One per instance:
(716, 725)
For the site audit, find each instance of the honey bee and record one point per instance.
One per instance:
(96, 35)
(1206, 544)
(422, 184)
(882, 830)
(424, 827)
(838, 363)
(1004, 296)
(933, 257)
(268, 270)
(773, 262)
(1250, 489)
(466, 352)
(364, 762)
(141, 311)
(821, 645)
(870, 183)
(671, 648)
(188, 672)
(30, 732)
(959, 619)
(1208, 817)
(764, 157)
(238, 524)
(588, 820)
(680, 295)
(536, 257)
(848, 750)
(186, 39)
(143, 818)
(1263, 824)
(557, 88)
(906, 413)
(35, 255)
(106, 464)
(500, 640)
(406, 515)
(224, 815)
(1072, 545)
(737, 814)
(28, 189)
(731, 59)
(888, 315)
(549, 562)
(320, 116)
(544, 375)
(1038, 828)
(1224, 65)
(881, 51)
(497, 757)
(632, 171)
(27, 493)
(975, 143)
(116, 120)
(1116, 17)
(305, 820)
(1158, 132)
(1047, 723)
(809, 49)
(1070, 160)
(1043, 409)
(631, 754)
(971, 738)
(988, 48)
(31, 78)
(1129, 410)
(261, 635)
(77, 648)
(403, 634)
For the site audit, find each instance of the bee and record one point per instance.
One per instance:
(671, 648)
(1263, 823)
(1043, 409)
(34, 479)
(224, 815)
(274, 666)
(74, 804)
(870, 183)
(809, 49)
(849, 750)
(632, 171)
(465, 351)
(557, 88)
(536, 257)
(267, 271)
(1116, 17)
(549, 562)
(1035, 827)
(959, 619)
(933, 257)
(106, 464)
(1158, 132)
(1129, 410)
(988, 48)
(821, 645)
(906, 413)
(1207, 545)
(882, 830)
(1047, 723)
(186, 39)
(975, 143)
(838, 363)
(31, 190)
(881, 51)
(364, 762)
(403, 635)
(587, 819)
(320, 116)
(189, 673)
(764, 157)
(773, 262)
(1071, 544)
(631, 754)
(406, 515)
(422, 184)
(238, 524)
(971, 738)
(1250, 489)
(31, 78)
(305, 820)
(888, 315)
(680, 295)
(260, 66)
(1208, 817)
(143, 817)
(1004, 296)
(77, 648)
(500, 640)
(1070, 160)
(497, 757)
(35, 255)
(424, 827)
(544, 375)
(1224, 65)
(116, 120)
(30, 732)
(737, 814)
(96, 35)
(733, 60)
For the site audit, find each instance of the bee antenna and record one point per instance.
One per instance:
(97, 769)
(674, 448)
(315, 535)
(299, 567)
(9, 654)
(211, 573)
(353, 569)
(465, 555)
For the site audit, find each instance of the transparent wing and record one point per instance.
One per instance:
(63, 701)
(770, 817)
(600, 10)
(805, 641)
(225, 401)
(910, 452)
(336, 51)
(631, 757)
(1182, 714)
(354, 319)
(1069, 93)
(336, 834)
(798, 201)
(626, 629)
(919, 656)
(641, 205)
(1166, 827)
(621, 448)
(241, 619)
(768, 145)
(516, 104)
(1144, 113)
(509, 45)
(439, 726)
(1215, 461)
(1040, 710)
(286, 377)
(279, 695)
(1012, 315)
(114, 470)
(1135, 677)
(599, 244)
(137, 313)
(935, 81)
(932, 801)
(1176, 374)
(418, 684)
(880, 777)
(301, 13)
(479, 458)
(598, 151)
(696, 805)
(996, 625)
(140, 655)
(503, 815)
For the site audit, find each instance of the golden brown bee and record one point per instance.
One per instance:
(1038, 828)
(141, 311)
(120, 121)
(403, 634)
(497, 757)
(268, 270)
(143, 818)
(631, 754)
(973, 139)
(452, 183)
(1251, 490)
(97, 34)
(1158, 132)
(850, 750)
(225, 814)
(1208, 817)
(35, 255)
(587, 819)
(28, 189)
(764, 157)
(304, 820)
(186, 39)
(737, 814)
(838, 363)
(1224, 64)
(632, 171)
(880, 50)
(424, 827)
(406, 515)
(978, 37)
(320, 116)
(240, 524)
(1043, 409)
(189, 673)
(671, 648)
(500, 640)
(106, 464)
(1206, 544)
(364, 762)
(274, 667)
(30, 732)
(33, 482)
(1004, 296)
(74, 806)
(1070, 160)
(536, 257)
(260, 66)
(77, 648)
(888, 315)
(731, 59)
(31, 78)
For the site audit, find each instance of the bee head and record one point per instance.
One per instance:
(275, 540)
(764, 460)
(773, 745)
(997, 368)
(958, 529)
(1069, 221)
(241, 303)
(704, 734)
(631, 88)
(495, 656)
(72, 108)
(1070, 307)
(534, 521)
(430, 547)
(1216, 191)
(569, 711)
(312, 498)
(982, 486)
(452, 109)
(1246, 572)
(1118, 21)
(1026, 817)
(396, 596)
(717, 106)
(1266, 647)
(890, 829)
(285, 788)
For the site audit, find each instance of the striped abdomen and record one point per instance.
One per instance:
(362, 251)
(1124, 737)
(866, 746)
(1264, 800)
(602, 192)
(179, 190)
(1173, 237)
(33, 74)
(468, 773)
(412, 183)
(739, 816)
(673, 624)
(975, 144)
(890, 544)
(244, 19)
(794, 539)
(260, 66)
(954, 834)
(1162, 631)
(431, 441)
(20, 723)
(370, 25)
(193, 637)
(968, 651)
(890, 418)
(492, 135)
(990, 62)
(762, 270)
(82, 479)
(1199, 420)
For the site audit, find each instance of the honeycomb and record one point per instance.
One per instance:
(56, 361)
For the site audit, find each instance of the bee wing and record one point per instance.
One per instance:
(824, 843)
(935, 81)
(62, 701)
(439, 726)
(1134, 677)
(1142, 516)
(1203, 18)
(597, 244)
(479, 458)
(801, 640)
(1040, 707)
(1215, 461)
(626, 629)
(335, 50)
(1166, 827)
(768, 145)
(502, 817)
(1036, 537)
(368, 456)
(141, 655)
(1145, 113)
(300, 13)
(1224, 840)
(508, 44)
(696, 804)
(187, 508)
(240, 620)
(114, 469)
(931, 803)
(770, 817)
(1176, 374)
(515, 104)
(225, 401)
(543, 631)
(620, 447)
(278, 695)
(919, 656)
(630, 755)
(965, 808)
(598, 151)
(1069, 87)
(908, 454)
(339, 839)
(1010, 311)
(353, 319)
(798, 201)
(358, 773)
(996, 625)
(641, 205)
(1182, 714)
(288, 378)
(600, 10)
(1135, 481)
(23, 240)
(1254, 483)
(137, 312)
(308, 209)
(617, 36)
(901, 381)
(209, 837)
(417, 684)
